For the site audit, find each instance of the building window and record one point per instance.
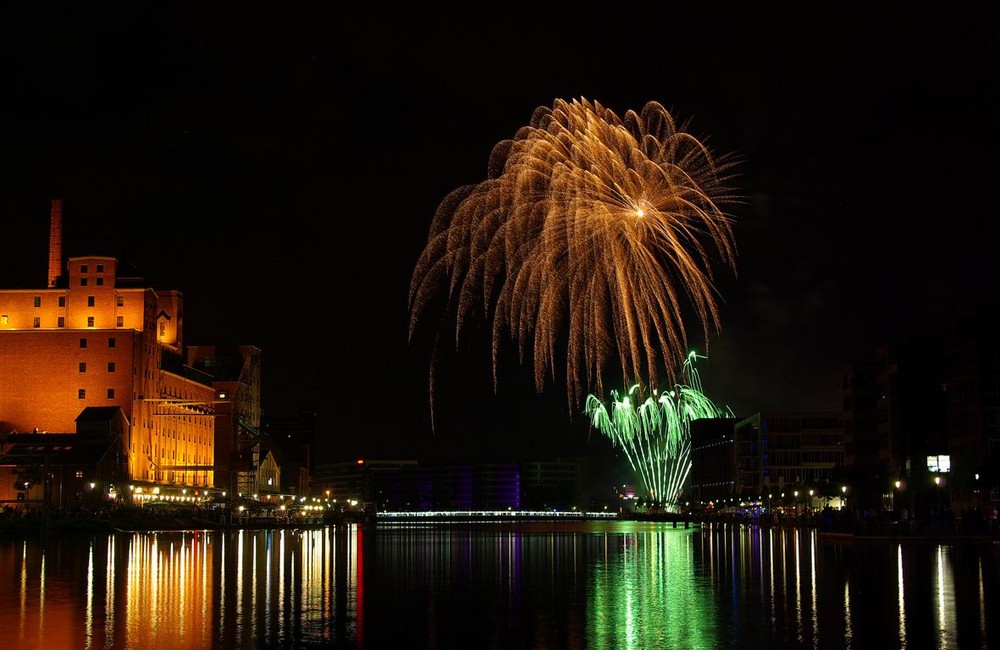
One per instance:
(36, 321)
(62, 301)
(38, 301)
(83, 282)
(163, 329)
(111, 342)
(111, 366)
(90, 321)
(120, 301)
(90, 301)
(83, 268)
(3, 319)
(100, 282)
(100, 268)
(111, 393)
(81, 393)
(79, 473)
(83, 366)
(61, 321)
(120, 321)
(83, 343)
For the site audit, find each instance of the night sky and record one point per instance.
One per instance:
(282, 169)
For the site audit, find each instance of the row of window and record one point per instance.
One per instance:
(83, 366)
(81, 393)
(111, 342)
(91, 301)
(61, 321)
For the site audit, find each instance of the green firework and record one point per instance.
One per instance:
(654, 431)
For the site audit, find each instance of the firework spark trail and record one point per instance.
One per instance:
(655, 433)
(590, 227)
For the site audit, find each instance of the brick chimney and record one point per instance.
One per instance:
(55, 242)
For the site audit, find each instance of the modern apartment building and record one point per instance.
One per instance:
(784, 451)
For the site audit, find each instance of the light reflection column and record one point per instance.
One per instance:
(89, 614)
(901, 597)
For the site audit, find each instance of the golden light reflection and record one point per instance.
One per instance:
(945, 600)
(798, 586)
(812, 586)
(194, 589)
(902, 598)
(89, 617)
(848, 631)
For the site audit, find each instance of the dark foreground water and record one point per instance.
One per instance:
(601, 585)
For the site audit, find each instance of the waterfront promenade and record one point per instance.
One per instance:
(831, 525)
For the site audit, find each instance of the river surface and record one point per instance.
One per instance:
(598, 584)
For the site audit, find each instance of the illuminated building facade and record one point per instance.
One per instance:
(713, 461)
(777, 451)
(93, 338)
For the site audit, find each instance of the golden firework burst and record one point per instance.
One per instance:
(591, 238)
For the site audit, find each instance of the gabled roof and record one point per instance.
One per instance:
(97, 414)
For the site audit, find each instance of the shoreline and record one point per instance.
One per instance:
(130, 522)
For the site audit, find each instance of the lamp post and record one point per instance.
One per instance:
(796, 493)
(843, 496)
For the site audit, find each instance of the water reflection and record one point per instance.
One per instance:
(193, 590)
(551, 585)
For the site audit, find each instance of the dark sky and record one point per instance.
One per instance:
(281, 169)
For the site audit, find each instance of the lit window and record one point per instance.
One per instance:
(81, 393)
(120, 321)
(79, 473)
(3, 319)
(38, 301)
(90, 321)
(61, 321)
(90, 301)
(163, 329)
(37, 321)
(111, 393)
(83, 366)
(940, 463)
(120, 301)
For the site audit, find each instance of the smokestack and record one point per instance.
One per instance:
(55, 242)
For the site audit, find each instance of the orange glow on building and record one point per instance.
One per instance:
(97, 339)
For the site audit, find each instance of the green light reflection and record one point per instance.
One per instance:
(649, 596)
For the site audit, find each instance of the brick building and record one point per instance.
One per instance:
(93, 338)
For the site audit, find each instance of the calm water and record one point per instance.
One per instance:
(532, 585)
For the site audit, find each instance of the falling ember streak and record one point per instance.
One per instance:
(590, 231)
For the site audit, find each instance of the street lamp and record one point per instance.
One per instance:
(937, 484)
